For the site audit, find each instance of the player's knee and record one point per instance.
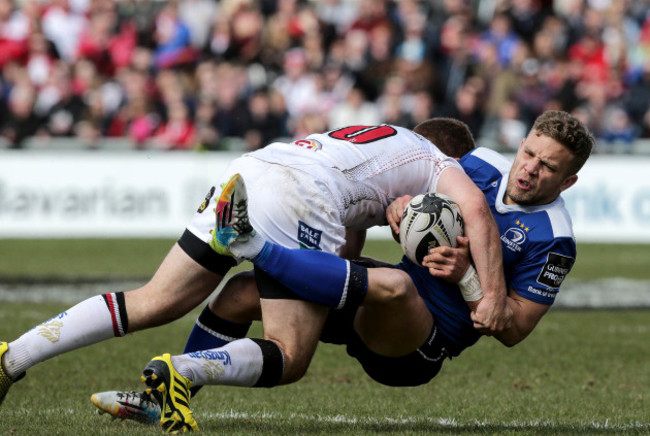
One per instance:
(393, 287)
(295, 367)
(241, 288)
(239, 300)
(295, 363)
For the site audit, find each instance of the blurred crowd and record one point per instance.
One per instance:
(207, 74)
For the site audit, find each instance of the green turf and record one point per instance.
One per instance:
(100, 258)
(579, 373)
(81, 258)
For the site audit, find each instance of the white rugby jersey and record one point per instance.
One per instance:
(364, 168)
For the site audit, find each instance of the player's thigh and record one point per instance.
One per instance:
(395, 320)
(178, 286)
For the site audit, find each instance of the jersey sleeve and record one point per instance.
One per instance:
(539, 275)
(482, 167)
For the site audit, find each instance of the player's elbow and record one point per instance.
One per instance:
(508, 343)
(510, 339)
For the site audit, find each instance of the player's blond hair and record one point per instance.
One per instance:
(568, 131)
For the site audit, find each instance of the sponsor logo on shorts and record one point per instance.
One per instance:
(555, 269)
(205, 203)
(309, 237)
(309, 144)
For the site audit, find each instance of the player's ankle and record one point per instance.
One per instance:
(16, 361)
(249, 249)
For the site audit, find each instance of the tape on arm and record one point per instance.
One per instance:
(470, 285)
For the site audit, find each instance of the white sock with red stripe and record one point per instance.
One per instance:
(93, 320)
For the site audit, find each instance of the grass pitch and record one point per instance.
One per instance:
(579, 373)
(78, 259)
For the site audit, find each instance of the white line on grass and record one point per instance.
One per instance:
(443, 422)
(370, 420)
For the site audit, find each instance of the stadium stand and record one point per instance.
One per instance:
(236, 74)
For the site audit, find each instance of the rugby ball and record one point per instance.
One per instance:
(429, 220)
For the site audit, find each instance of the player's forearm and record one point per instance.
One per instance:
(485, 248)
(484, 244)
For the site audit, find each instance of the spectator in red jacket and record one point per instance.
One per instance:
(178, 133)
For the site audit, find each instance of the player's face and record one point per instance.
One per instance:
(541, 171)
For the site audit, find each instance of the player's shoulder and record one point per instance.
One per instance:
(485, 167)
(486, 158)
(546, 222)
(557, 217)
(560, 219)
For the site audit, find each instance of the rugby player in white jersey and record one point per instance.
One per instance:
(307, 193)
(395, 349)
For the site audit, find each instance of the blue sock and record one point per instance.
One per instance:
(212, 331)
(316, 276)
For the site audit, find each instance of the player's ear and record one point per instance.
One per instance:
(569, 182)
(521, 143)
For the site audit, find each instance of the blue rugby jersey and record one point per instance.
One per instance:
(538, 251)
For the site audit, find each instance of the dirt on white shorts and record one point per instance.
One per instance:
(287, 206)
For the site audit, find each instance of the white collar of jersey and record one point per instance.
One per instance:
(501, 207)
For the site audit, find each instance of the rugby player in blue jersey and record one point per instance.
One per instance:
(406, 320)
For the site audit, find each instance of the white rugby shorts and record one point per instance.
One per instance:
(286, 206)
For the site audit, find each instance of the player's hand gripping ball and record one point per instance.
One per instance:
(429, 220)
